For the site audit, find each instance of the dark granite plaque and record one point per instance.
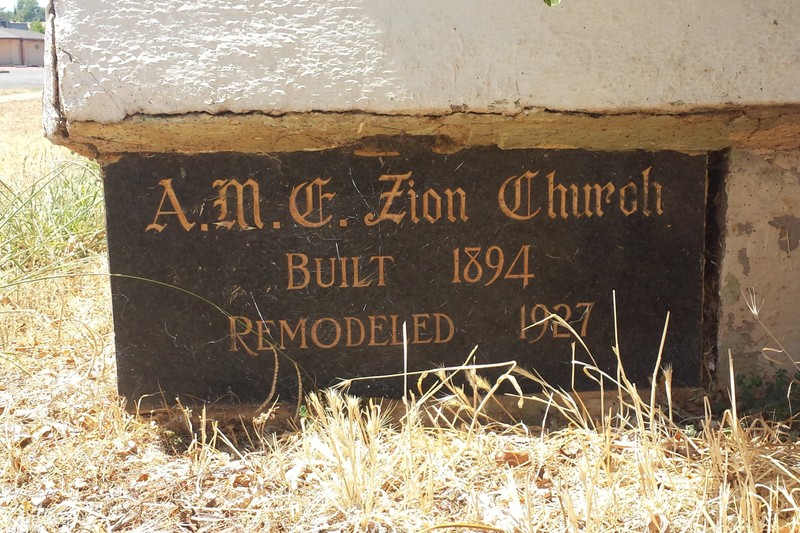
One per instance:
(223, 261)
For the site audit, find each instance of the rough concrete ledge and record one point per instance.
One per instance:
(248, 76)
(775, 128)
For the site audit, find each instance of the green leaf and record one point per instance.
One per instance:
(552, 3)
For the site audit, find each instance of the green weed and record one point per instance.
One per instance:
(52, 224)
(777, 397)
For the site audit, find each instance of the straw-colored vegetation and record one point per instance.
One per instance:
(72, 459)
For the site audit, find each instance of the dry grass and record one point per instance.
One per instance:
(74, 460)
(25, 155)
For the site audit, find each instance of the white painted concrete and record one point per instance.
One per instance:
(126, 57)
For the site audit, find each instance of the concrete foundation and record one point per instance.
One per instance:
(255, 77)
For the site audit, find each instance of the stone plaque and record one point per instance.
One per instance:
(224, 264)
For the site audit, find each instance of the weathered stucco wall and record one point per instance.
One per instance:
(761, 263)
(203, 76)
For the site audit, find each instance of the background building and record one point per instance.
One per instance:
(20, 46)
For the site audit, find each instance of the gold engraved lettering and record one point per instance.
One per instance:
(315, 337)
(513, 211)
(462, 210)
(494, 261)
(343, 277)
(332, 279)
(441, 319)
(629, 196)
(571, 200)
(315, 197)
(266, 336)
(646, 194)
(397, 335)
(634, 205)
(238, 336)
(222, 203)
(300, 267)
(325, 333)
(375, 329)
(551, 188)
(292, 334)
(412, 199)
(585, 314)
(349, 322)
(381, 262)
(264, 328)
(473, 271)
(388, 198)
(431, 204)
(443, 328)
(565, 312)
(358, 282)
(328, 271)
(431, 197)
(598, 200)
(597, 196)
(177, 210)
(420, 325)
(542, 317)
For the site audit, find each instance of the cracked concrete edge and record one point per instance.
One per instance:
(771, 128)
(55, 126)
